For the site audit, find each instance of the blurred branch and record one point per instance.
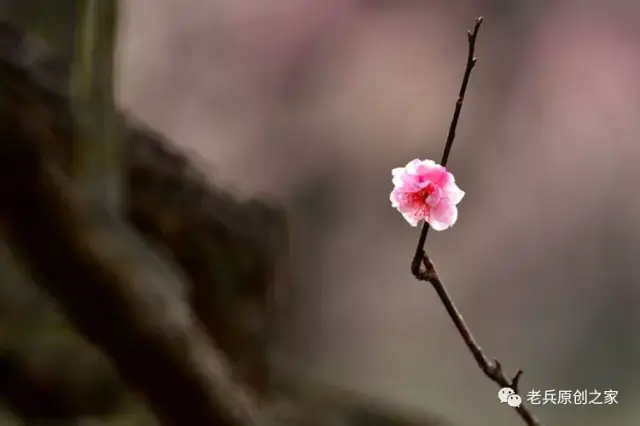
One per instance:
(423, 269)
(32, 397)
(228, 247)
(53, 21)
(45, 367)
(98, 150)
(120, 294)
(123, 295)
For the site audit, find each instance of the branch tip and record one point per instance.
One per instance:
(497, 365)
(515, 382)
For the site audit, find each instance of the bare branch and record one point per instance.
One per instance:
(423, 269)
(492, 369)
(471, 62)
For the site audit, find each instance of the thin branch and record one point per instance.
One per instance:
(471, 62)
(492, 369)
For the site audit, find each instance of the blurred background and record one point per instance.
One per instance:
(314, 102)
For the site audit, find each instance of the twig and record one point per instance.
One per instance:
(492, 369)
(471, 62)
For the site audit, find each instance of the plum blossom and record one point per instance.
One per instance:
(425, 190)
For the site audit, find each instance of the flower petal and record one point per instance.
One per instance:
(453, 193)
(396, 197)
(425, 167)
(437, 175)
(428, 163)
(398, 171)
(412, 166)
(413, 219)
(425, 190)
(438, 226)
(443, 216)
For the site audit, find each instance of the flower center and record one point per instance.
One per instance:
(428, 195)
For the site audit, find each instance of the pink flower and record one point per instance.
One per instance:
(424, 190)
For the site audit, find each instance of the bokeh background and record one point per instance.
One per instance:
(314, 102)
